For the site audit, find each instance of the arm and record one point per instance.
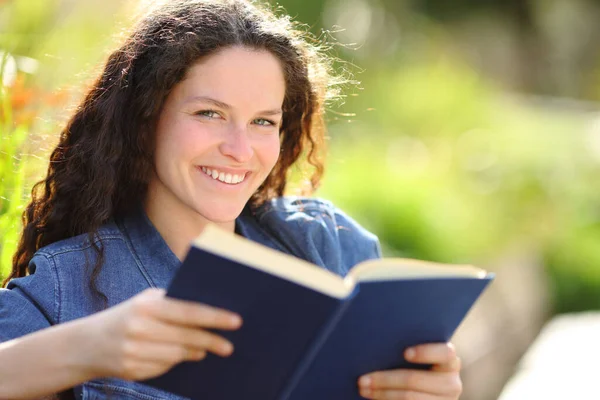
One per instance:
(44, 362)
(138, 339)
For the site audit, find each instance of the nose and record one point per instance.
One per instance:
(237, 144)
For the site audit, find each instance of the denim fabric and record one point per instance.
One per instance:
(136, 257)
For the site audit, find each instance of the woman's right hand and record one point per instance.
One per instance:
(148, 334)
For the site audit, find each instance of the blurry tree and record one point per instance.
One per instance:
(458, 167)
(533, 46)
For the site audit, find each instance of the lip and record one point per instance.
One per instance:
(226, 170)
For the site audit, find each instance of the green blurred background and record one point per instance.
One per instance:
(471, 132)
(473, 126)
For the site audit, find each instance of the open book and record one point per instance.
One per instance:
(308, 333)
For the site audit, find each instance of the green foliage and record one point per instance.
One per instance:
(461, 178)
(574, 264)
(53, 42)
(12, 184)
(437, 161)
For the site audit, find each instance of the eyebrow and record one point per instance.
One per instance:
(220, 104)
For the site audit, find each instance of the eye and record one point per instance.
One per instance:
(264, 122)
(207, 114)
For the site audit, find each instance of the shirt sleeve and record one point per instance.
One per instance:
(356, 243)
(319, 232)
(30, 303)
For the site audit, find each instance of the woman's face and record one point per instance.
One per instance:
(217, 137)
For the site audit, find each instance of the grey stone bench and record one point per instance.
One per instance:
(562, 363)
(503, 324)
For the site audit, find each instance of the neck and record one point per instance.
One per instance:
(178, 224)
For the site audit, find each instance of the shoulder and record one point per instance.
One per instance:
(319, 232)
(61, 263)
(297, 207)
(68, 255)
(310, 213)
(56, 273)
(81, 243)
(76, 259)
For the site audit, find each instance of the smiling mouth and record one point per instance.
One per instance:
(230, 179)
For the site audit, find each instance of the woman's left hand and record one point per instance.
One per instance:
(441, 382)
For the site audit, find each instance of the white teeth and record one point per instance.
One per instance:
(223, 177)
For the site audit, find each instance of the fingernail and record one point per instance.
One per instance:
(365, 382)
(365, 392)
(227, 348)
(410, 353)
(236, 320)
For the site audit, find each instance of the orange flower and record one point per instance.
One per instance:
(20, 95)
(24, 118)
(57, 98)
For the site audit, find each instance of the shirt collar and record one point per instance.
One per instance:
(153, 256)
(156, 260)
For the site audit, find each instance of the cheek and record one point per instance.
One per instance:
(270, 152)
(181, 142)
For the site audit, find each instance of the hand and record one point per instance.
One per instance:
(148, 334)
(442, 382)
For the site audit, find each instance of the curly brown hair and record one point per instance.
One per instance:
(104, 159)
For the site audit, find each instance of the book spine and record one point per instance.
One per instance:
(315, 346)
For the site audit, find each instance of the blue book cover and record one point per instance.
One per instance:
(382, 320)
(307, 333)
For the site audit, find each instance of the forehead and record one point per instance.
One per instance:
(238, 76)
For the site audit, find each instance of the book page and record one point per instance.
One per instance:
(229, 245)
(404, 268)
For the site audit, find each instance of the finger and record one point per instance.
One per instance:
(139, 370)
(433, 353)
(144, 369)
(146, 360)
(437, 383)
(157, 331)
(400, 395)
(453, 365)
(168, 354)
(188, 313)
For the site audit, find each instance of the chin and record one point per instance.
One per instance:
(221, 213)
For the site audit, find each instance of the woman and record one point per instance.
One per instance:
(196, 119)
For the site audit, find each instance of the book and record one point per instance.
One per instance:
(309, 333)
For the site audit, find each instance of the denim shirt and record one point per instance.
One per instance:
(136, 257)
